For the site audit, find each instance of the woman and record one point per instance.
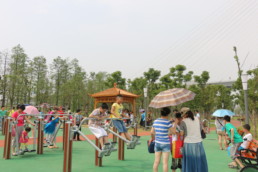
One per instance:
(17, 116)
(220, 132)
(162, 127)
(194, 157)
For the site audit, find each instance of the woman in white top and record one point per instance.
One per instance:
(194, 157)
(220, 132)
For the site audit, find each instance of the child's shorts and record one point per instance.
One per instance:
(98, 132)
(162, 147)
(120, 126)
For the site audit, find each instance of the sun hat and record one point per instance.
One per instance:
(184, 110)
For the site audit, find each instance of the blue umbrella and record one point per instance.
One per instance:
(223, 112)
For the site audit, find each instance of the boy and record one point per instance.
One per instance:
(235, 139)
(77, 121)
(117, 112)
(95, 125)
(3, 113)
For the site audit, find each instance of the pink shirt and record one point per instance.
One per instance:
(24, 137)
(21, 118)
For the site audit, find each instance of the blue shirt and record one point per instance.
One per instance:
(162, 127)
(143, 116)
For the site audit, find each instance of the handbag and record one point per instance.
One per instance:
(151, 145)
(176, 147)
(203, 134)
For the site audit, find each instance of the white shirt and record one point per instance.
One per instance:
(247, 138)
(192, 130)
(198, 115)
(132, 117)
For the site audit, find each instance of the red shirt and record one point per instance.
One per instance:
(21, 118)
(24, 137)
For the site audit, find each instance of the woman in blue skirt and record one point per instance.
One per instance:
(194, 157)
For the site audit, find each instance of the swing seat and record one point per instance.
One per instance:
(249, 157)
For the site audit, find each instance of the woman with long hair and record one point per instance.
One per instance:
(194, 157)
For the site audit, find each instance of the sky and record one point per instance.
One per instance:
(135, 35)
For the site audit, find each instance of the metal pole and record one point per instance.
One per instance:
(40, 136)
(8, 137)
(67, 167)
(246, 107)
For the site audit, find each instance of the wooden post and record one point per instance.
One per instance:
(98, 161)
(135, 132)
(40, 136)
(8, 137)
(121, 147)
(64, 135)
(67, 167)
(3, 126)
(114, 136)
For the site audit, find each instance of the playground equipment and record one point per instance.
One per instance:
(68, 141)
(39, 135)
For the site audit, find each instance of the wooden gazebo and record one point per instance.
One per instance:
(109, 96)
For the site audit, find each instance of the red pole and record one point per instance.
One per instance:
(67, 167)
(98, 161)
(8, 137)
(40, 136)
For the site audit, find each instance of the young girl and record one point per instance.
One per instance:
(95, 125)
(159, 132)
(24, 139)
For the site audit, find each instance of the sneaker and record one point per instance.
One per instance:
(26, 150)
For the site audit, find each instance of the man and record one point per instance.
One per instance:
(235, 139)
(143, 117)
(3, 113)
(117, 112)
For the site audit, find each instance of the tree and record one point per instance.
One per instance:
(17, 78)
(116, 77)
(39, 66)
(3, 79)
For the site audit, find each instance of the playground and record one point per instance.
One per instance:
(137, 160)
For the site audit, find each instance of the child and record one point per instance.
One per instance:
(77, 121)
(235, 139)
(117, 112)
(176, 163)
(50, 130)
(24, 140)
(95, 125)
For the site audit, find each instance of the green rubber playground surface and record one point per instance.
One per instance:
(137, 160)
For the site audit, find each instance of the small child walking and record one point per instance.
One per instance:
(24, 139)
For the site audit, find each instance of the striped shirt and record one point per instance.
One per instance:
(161, 127)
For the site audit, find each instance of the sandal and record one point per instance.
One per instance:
(232, 165)
(14, 154)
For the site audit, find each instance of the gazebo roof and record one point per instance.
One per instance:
(111, 92)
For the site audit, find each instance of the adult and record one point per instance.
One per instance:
(162, 127)
(17, 116)
(221, 134)
(194, 157)
(143, 116)
(149, 118)
(3, 113)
